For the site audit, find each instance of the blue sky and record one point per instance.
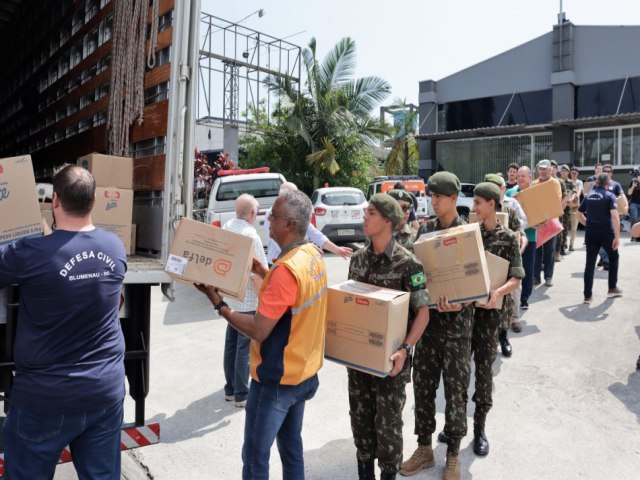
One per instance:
(405, 41)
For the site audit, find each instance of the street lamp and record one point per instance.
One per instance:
(260, 13)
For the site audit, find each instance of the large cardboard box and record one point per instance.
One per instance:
(46, 210)
(109, 170)
(498, 273)
(503, 218)
(19, 211)
(622, 204)
(365, 325)
(210, 255)
(540, 202)
(113, 211)
(454, 263)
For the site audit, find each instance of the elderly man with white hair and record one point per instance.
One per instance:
(313, 234)
(236, 344)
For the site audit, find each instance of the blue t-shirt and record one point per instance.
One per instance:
(597, 207)
(69, 348)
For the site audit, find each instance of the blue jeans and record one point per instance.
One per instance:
(528, 263)
(546, 254)
(33, 443)
(275, 412)
(236, 364)
(597, 239)
(634, 212)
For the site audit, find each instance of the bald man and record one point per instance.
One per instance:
(236, 345)
(313, 234)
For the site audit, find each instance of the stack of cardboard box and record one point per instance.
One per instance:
(19, 212)
(113, 210)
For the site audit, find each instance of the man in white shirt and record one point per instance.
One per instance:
(313, 234)
(236, 344)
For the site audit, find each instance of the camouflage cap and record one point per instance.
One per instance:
(488, 191)
(494, 178)
(444, 183)
(404, 196)
(553, 163)
(388, 207)
(565, 167)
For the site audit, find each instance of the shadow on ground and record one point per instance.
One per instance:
(198, 419)
(587, 313)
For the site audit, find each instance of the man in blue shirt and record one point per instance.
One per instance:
(599, 213)
(615, 188)
(69, 348)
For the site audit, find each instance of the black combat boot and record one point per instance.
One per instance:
(480, 442)
(366, 470)
(387, 476)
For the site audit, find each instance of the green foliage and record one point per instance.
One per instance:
(404, 155)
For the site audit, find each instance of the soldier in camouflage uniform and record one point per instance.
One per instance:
(404, 233)
(566, 217)
(565, 200)
(517, 223)
(375, 404)
(502, 242)
(444, 349)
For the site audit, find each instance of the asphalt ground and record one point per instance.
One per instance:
(566, 404)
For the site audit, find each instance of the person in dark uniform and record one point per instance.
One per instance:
(502, 242)
(375, 403)
(599, 213)
(444, 350)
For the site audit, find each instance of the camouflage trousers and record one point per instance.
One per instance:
(562, 237)
(484, 346)
(451, 357)
(505, 321)
(375, 408)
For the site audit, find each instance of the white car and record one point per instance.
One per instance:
(338, 212)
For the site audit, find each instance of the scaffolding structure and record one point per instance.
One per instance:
(234, 61)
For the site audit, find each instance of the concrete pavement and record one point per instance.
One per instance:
(566, 405)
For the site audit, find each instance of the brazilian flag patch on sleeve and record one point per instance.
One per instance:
(418, 279)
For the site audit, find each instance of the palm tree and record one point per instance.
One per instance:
(404, 151)
(333, 108)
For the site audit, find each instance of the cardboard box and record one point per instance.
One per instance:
(498, 273)
(210, 255)
(113, 211)
(503, 218)
(19, 211)
(622, 204)
(586, 187)
(454, 263)
(109, 170)
(46, 212)
(365, 325)
(540, 203)
(134, 231)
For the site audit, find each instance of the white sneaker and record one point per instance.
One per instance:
(241, 404)
(228, 398)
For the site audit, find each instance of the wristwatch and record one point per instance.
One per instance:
(218, 306)
(408, 347)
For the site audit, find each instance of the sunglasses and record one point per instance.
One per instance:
(405, 208)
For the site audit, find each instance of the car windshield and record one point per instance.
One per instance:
(342, 198)
(263, 187)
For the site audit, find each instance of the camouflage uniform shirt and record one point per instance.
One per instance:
(394, 268)
(406, 236)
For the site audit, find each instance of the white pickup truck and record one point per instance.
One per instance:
(264, 186)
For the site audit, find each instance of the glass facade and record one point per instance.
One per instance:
(528, 108)
(603, 98)
(618, 146)
(471, 159)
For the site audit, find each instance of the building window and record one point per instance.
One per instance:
(527, 108)
(471, 159)
(630, 146)
(608, 98)
(617, 146)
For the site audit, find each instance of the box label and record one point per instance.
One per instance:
(176, 264)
